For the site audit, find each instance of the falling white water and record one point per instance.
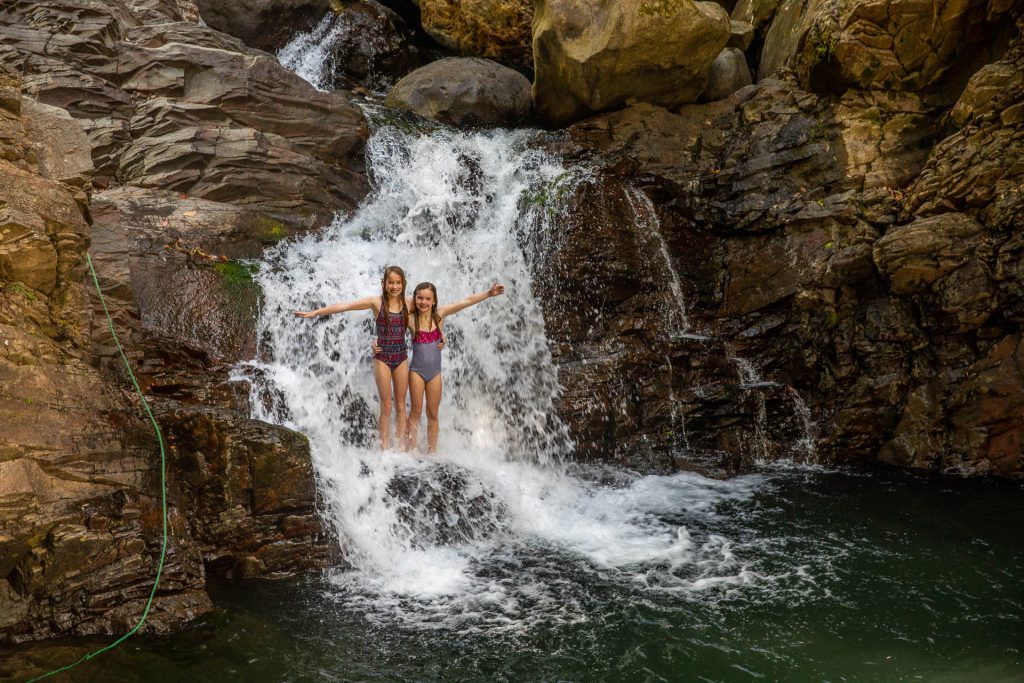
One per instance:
(647, 219)
(489, 533)
(308, 54)
(751, 381)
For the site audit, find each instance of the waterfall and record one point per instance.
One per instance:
(470, 534)
(650, 229)
(308, 53)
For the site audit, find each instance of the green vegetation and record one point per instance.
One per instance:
(824, 41)
(239, 286)
(19, 288)
(267, 229)
(549, 196)
(833, 318)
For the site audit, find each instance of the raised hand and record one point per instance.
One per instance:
(496, 289)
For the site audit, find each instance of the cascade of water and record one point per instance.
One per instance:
(449, 533)
(650, 228)
(751, 381)
(308, 54)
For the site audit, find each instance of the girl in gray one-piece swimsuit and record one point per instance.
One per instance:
(427, 342)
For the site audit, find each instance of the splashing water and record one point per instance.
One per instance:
(487, 534)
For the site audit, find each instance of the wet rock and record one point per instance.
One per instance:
(596, 58)
(249, 486)
(638, 387)
(263, 24)
(368, 45)
(840, 246)
(916, 255)
(464, 92)
(494, 29)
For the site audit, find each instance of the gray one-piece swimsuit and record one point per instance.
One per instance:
(426, 354)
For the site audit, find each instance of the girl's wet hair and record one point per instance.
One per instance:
(384, 292)
(433, 308)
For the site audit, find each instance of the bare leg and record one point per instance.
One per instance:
(400, 382)
(433, 391)
(382, 375)
(415, 410)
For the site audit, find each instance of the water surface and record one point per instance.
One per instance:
(845, 577)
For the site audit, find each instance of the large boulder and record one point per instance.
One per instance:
(464, 91)
(495, 29)
(729, 72)
(595, 56)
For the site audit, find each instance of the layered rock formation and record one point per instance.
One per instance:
(860, 248)
(168, 151)
(894, 44)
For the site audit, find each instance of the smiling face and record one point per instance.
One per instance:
(424, 300)
(394, 285)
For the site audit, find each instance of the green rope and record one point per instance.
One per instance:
(163, 489)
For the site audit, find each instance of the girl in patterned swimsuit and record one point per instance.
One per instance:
(427, 340)
(390, 365)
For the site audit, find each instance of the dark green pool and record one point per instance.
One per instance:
(846, 577)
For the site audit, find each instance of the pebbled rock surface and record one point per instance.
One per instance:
(171, 152)
(493, 29)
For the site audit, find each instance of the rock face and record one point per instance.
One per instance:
(263, 24)
(493, 29)
(169, 150)
(898, 45)
(853, 249)
(463, 91)
(595, 56)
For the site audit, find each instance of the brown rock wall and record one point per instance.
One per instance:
(863, 250)
(168, 150)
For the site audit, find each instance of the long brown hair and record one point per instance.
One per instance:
(433, 308)
(385, 309)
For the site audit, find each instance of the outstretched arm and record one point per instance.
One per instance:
(495, 290)
(357, 305)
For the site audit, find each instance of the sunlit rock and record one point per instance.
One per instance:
(591, 57)
(494, 29)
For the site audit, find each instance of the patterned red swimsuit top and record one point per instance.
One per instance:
(428, 337)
